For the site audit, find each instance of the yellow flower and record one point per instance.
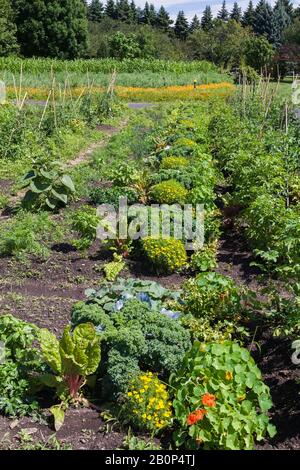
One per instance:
(129, 394)
(229, 375)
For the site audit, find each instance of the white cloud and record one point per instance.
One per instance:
(191, 7)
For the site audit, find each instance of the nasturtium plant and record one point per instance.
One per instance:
(211, 295)
(220, 400)
(71, 360)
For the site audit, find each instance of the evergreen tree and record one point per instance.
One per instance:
(281, 20)
(152, 15)
(249, 15)
(133, 12)
(263, 20)
(289, 9)
(181, 27)
(236, 13)
(51, 29)
(8, 42)
(95, 11)
(110, 9)
(146, 13)
(223, 14)
(195, 24)
(207, 19)
(163, 20)
(123, 11)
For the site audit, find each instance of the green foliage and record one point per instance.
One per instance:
(168, 192)
(213, 296)
(112, 296)
(206, 330)
(21, 362)
(166, 255)
(134, 336)
(173, 163)
(284, 312)
(106, 66)
(8, 43)
(3, 200)
(220, 399)
(258, 52)
(71, 360)
(28, 234)
(60, 28)
(85, 221)
(124, 46)
(113, 269)
(48, 185)
(205, 258)
(124, 174)
(113, 195)
(134, 443)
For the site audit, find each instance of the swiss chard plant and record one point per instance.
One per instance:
(71, 360)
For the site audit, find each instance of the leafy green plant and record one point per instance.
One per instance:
(173, 163)
(220, 400)
(166, 255)
(204, 259)
(114, 295)
(213, 296)
(85, 221)
(48, 185)
(283, 311)
(19, 366)
(28, 234)
(113, 269)
(112, 195)
(169, 192)
(133, 336)
(71, 360)
(3, 200)
(132, 442)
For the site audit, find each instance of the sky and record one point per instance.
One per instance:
(191, 7)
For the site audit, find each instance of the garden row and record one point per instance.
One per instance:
(39, 65)
(256, 144)
(170, 363)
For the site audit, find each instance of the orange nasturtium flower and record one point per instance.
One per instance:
(193, 418)
(208, 399)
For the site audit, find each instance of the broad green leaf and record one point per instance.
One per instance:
(59, 416)
(50, 203)
(50, 380)
(67, 181)
(271, 430)
(50, 350)
(61, 197)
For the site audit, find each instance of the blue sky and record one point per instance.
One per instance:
(191, 8)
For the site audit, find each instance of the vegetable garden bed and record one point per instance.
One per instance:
(124, 373)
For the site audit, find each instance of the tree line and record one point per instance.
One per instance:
(76, 28)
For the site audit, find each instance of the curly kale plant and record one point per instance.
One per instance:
(134, 338)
